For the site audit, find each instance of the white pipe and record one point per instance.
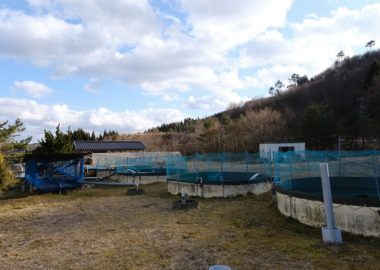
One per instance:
(330, 233)
(327, 198)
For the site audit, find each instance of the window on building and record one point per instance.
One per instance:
(286, 149)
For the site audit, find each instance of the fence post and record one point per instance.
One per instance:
(330, 233)
(290, 183)
(221, 176)
(246, 166)
(221, 162)
(81, 168)
(376, 174)
(196, 165)
(275, 164)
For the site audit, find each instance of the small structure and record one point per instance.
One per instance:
(108, 146)
(267, 150)
(184, 203)
(54, 172)
(18, 170)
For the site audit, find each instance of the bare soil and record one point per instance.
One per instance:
(107, 229)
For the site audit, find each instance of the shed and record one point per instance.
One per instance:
(267, 150)
(108, 146)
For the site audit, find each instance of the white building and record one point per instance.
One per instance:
(267, 150)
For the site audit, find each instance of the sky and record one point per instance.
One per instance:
(130, 65)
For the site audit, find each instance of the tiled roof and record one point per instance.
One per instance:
(103, 146)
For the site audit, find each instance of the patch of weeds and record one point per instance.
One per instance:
(158, 190)
(109, 254)
(238, 197)
(13, 193)
(250, 194)
(189, 235)
(273, 204)
(291, 224)
(135, 191)
(255, 222)
(351, 238)
(19, 207)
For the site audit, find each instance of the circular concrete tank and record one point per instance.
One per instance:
(219, 184)
(355, 200)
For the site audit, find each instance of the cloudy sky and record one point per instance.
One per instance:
(129, 65)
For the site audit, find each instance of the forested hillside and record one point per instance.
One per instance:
(341, 101)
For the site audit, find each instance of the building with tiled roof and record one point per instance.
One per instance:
(108, 146)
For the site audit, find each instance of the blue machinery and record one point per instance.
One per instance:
(60, 172)
(54, 172)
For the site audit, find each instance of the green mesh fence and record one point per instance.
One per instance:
(142, 164)
(220, 168)
(149, 164)
(353, 174)
(107, 163)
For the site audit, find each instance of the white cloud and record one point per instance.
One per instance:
(32, 88)
(37, 117)
(93, 85)
(127, 40)
(311, 47)
(169, 56)
(216, 101)
(344, 29)
(205, 103)
(226, 24)
(75, 36)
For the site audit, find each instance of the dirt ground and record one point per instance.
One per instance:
(107, 229)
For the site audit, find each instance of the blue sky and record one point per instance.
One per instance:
(131, 65)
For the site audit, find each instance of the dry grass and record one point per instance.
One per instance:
(106, 229)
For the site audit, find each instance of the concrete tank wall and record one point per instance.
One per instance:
(103, 173)
(209, 191)
(349, 218)
(141, 180)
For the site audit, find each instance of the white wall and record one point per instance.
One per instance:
(210, 191)
(113, 156)
(267, 149)
(348, 218)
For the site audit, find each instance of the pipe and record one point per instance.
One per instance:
(330, 233)
(327, 198)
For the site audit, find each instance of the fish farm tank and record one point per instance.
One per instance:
(226, 173)
(354, 175)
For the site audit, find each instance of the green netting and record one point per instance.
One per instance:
(140, 164)
(219, 168)
(353, 174)
(107, 163)
(129, 165)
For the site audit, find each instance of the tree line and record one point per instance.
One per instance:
(63, 142)
(11, 150)
(340, 102)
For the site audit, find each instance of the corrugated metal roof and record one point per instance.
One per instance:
(104, 146)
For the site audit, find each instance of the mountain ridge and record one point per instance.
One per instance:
(342, 101)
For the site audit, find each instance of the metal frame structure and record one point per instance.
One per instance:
(54, 172)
